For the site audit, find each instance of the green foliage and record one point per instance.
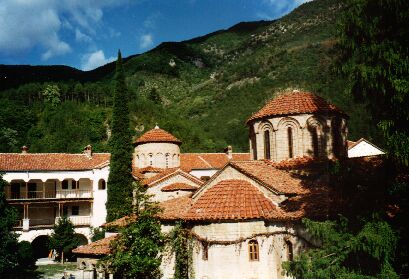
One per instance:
(51, 94)
(181, 246)
(375, 56)
(367, 253)
(26, 258)
(8, 240)
(120, 177)
(137, 251)
(63, 238)
(97, 234)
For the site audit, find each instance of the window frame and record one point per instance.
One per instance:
(267, 145)
(254, 251)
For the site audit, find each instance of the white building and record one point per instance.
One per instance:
(363, 148)
(45, 186)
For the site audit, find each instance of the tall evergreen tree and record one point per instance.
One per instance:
(375, 56)
(120, 178)
(8, 240)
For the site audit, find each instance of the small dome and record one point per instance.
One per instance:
(157, 135)
(295, 103)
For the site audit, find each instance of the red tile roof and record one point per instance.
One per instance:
(175, 209)
(52, 161)
(167, 173)
(178, 186)
(157, 135)
(232, 200)
(265, 173)
(99, 247)
(295, 103)
(189, 161)
(121, 222)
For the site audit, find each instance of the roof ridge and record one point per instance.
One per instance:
(206, 162)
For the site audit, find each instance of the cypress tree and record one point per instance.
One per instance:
(8, 240)
(120, 178)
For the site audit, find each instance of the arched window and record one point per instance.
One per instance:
(101, 184)
(267, 154)
(336, 137)
(253, 250)
(205, 255)
(290, 142)
(314, 138)
(289, 248)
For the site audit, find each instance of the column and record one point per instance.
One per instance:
(26, 221)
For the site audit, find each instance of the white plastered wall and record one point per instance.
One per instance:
(160, 196)
(156, 155)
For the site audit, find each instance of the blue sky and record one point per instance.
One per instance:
(87, 33)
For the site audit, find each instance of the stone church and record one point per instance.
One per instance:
(244, 209)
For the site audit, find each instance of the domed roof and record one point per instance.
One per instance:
(157, 135)
(295, 103)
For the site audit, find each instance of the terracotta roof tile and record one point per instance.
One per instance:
(157, 135)
(189, 161)
(295, 103)
(52, 161)
(121, 222)
(178, 186)
(175, 209)
(233, 200)
(278, 180)
(99, 247)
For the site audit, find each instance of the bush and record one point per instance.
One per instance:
(26, 259)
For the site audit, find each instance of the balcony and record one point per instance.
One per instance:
(27, 224)
(40, 195)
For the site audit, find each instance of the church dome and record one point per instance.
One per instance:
(157, 149)
(157, 135)
(295, 103)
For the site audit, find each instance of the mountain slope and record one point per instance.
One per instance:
(204, 89)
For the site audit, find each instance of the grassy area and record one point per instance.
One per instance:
(44, 271)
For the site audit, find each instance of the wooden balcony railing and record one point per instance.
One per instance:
(76, 220)
(60, 194)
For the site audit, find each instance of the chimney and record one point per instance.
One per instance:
(229, 152)
(24, 150)
(88, 151)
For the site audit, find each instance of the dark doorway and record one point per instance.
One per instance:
(40, 246)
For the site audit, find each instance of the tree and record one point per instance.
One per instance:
(8, 240)
(154, 96)
(343, 254)
(120, 179)
(375, 57)
(51, 94)
(136, 253)
(63, 238)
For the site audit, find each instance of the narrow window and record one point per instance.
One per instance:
(290, 254)
(267, 154)
(64, 184)
(253, 250)
(167, 160)
(150, 159)
(254, 146)
(290, 142)
(336, 137)
(75, 210)
(101, 184)
(314, 135)
(205, 255)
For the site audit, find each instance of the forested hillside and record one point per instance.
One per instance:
(202, 90)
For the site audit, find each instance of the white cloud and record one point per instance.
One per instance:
(81, 37)
(146, 41)
(26, 24)
(95, 59)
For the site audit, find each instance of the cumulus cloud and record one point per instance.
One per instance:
(25, 25)
(95, 59)
(146, 41)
